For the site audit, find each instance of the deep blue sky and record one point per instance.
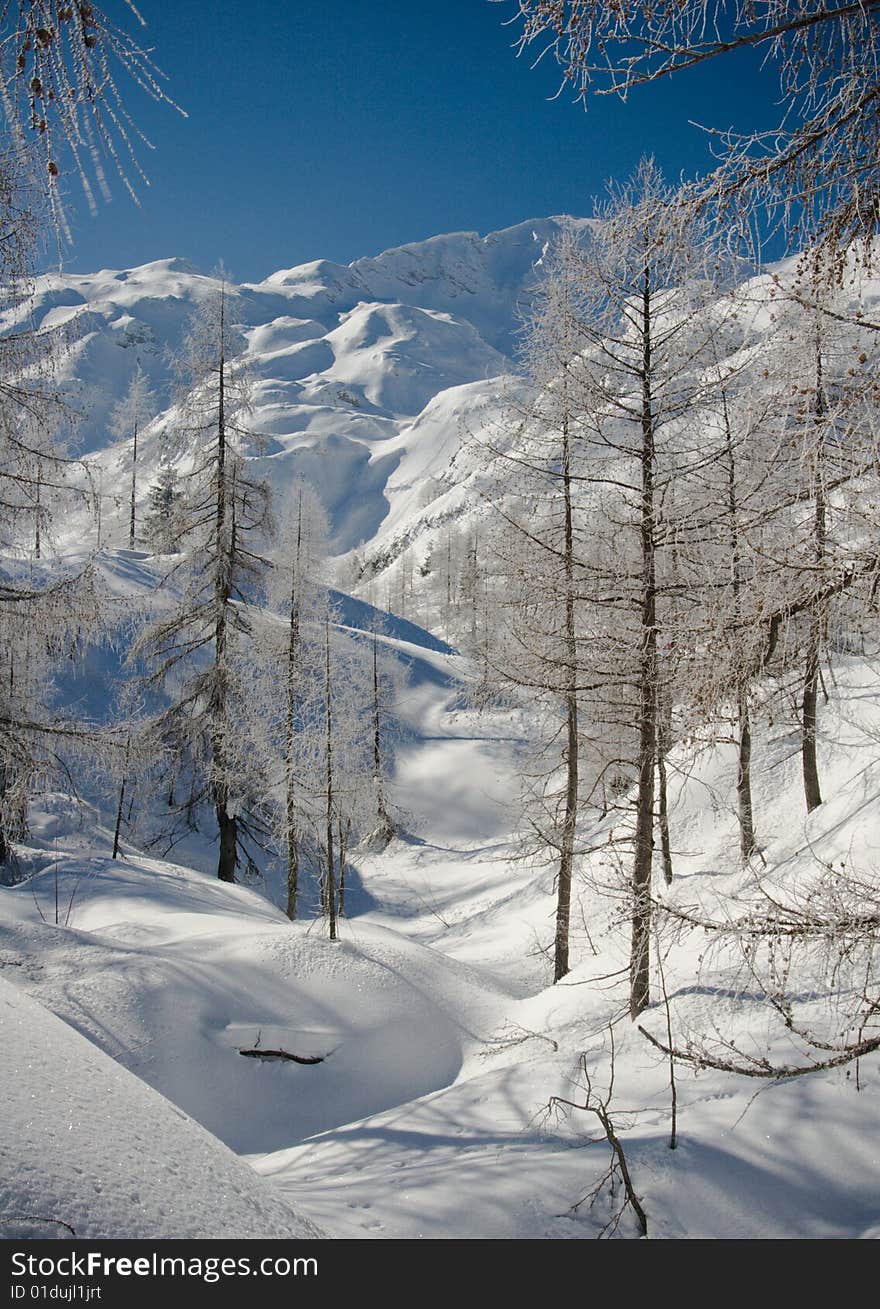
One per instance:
(338, 128)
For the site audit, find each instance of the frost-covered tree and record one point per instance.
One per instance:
(781, 511)
(196, 653)
(828, 466)
(632, 320)
(297, 591)
(532, 646)
(353, 761)
(164, 524)
(127, 421)
(327, 739)
(47, 608)
(735, 493)
(651, 279)
(60, 105)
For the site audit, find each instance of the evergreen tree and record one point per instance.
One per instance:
(127, 421)
(197, 652)
(164, 522)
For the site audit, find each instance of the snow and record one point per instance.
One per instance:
(441, 1041)
(89, 1145)
(345, 359)
(478, 278)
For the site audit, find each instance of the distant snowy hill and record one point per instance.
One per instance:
(381, 382)
(367, 375)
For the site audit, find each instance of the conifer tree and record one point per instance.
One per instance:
(127, 421)
(196, 653)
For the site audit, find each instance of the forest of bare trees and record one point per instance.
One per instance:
(684, 535)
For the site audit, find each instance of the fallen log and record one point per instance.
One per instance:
(283, 1054)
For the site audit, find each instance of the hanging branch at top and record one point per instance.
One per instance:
(59, 94)
(817, 165)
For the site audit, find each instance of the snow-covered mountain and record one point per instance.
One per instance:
(366, 375)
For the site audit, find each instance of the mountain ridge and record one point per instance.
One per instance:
(345, 359)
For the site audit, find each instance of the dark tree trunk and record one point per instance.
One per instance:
(663, 741)
(569, 824)
(812, 791)
(228, 840)
(292, 676)
(640, 957)
(118, 828)
(331, 876)
(744, 778)
(38, 516)
(117, 831)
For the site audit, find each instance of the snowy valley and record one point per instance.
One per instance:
(437, 1083)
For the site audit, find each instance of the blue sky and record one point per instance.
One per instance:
(337, 128)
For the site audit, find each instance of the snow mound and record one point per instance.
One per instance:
(88, 1145)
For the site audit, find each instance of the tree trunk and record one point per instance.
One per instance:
(331, 886)
(5, 846)
(744, 778)
(134, 455)
(343, 833)
(385, 825)
(118, 828)
(745, 810)
(228, 839)
(569, 825)
(292, 670)
(663, 740)
(640, 993)
(226, 822)
(99, 515)
(812, 792)
(119, 808)
(38, 526)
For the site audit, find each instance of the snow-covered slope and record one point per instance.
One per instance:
(345, 360)
(478, 279)
(442, 1042)
(90, 1148)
